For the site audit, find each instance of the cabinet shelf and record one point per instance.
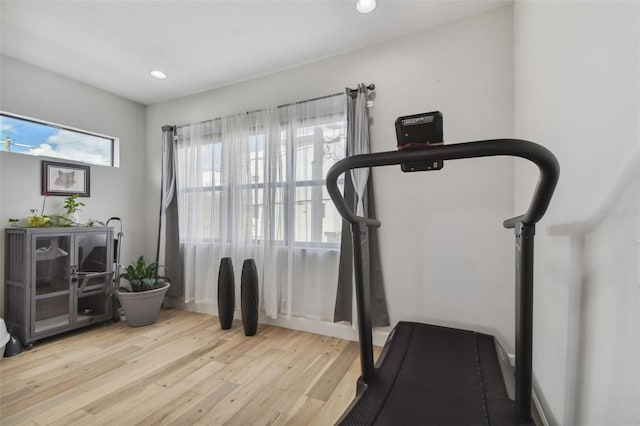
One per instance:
(52, 294)
(52, 323)
(45, 288)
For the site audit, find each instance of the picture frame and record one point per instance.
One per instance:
(65, 179)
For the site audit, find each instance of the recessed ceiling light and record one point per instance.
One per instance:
(366, 6)
(158, 74)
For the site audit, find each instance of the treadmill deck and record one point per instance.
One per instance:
(430, 375)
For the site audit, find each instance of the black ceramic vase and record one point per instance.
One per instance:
(226, 293)
(249, 297)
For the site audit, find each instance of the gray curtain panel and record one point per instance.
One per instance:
(169, 251)
(371, 254)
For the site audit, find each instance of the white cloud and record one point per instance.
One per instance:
(81, 147)
(43, 149)
(8, 128)
(75, 155)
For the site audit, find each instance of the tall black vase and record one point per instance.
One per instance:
(226, 293)
(249, 297)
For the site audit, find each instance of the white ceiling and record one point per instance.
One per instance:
(201, 45)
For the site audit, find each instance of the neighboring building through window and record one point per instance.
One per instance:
(34, 137)
(217, 189)
(319, 147)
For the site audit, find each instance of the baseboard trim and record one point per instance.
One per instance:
(340, 330)
(538, 413)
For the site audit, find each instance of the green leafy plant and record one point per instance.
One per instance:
(39, 219)
(143, 277)
(71, 205)
(94, 222)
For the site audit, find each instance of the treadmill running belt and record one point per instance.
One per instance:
(430, 375)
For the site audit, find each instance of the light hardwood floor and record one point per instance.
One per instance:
(182, 370)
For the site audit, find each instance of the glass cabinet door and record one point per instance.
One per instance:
(52, 256)
(94, 278)
(52, 312)
(92, 252)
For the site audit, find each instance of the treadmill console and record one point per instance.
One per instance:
(420, 131)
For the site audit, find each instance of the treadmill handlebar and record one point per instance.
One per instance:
(537, 154)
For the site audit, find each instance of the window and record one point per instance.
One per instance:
(318, 148)
(29, 136)
(261, 176)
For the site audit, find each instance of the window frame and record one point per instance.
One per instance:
(285, 241)
(115, 142)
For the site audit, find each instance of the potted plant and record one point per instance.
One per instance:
(38, 219)
(72, 208)
(142, 303)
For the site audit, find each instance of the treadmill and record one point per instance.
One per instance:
(431, 375)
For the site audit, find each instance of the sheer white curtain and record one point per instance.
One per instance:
(252, 186)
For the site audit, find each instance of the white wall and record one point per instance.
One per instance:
(577, 91)
(34, 92)
(446, 257)
(608, 359)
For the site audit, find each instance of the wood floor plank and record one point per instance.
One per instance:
(270, 418)
(41, 393)
(78, 417)
(63, 374)
(182, 370)
(255, 408)
(106, 414)
(222, 412)
(48, 406)
(198, 412)
(165, 413)
(340, 398)
(305, 411)
(172, 396)
(325, 386)
(284, 402)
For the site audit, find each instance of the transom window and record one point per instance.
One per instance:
(25, 135)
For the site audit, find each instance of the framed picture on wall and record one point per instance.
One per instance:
(65, 179)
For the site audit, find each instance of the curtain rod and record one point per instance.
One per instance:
(352, 92)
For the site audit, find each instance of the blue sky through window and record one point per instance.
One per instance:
(30, 137)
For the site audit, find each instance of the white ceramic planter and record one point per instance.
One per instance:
(72, 218)
(142, 307)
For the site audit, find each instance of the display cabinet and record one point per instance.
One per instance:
(57, 279)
